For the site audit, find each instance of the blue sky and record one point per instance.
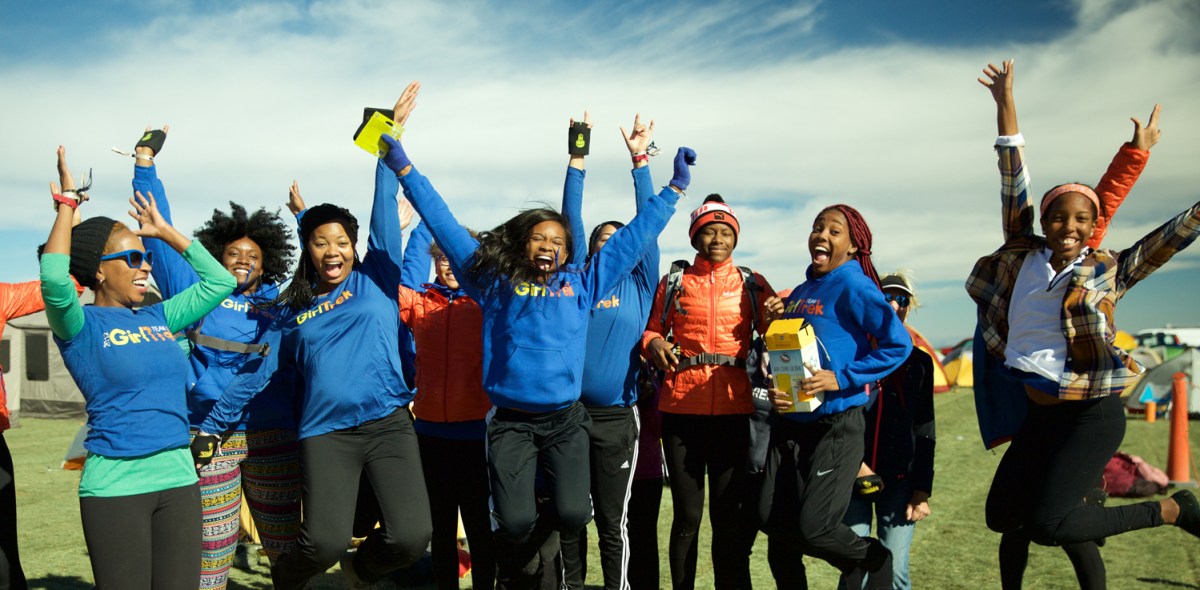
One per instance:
(791, 106)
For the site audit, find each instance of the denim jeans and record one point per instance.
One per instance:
(894, 530)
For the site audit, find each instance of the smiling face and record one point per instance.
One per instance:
(441, 268)
(829, 243)
(243, 259)
(331, 252)
(715, 242)
(1068, 224)
(119, 285)
(606, 232)
(546, 246)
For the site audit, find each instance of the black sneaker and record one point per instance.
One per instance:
(1189, 512)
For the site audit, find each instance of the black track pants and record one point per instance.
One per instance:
(613, 442)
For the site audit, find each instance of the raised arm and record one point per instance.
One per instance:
(64, 313)
(170, 271)
(1016, 206)
(1138, 261)
(417, 260)
(572, 202)
(638, 142)
(626, 247)
(215, 283)
(1123, 173)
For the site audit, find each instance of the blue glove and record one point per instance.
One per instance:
(395, 159)
(683, 177)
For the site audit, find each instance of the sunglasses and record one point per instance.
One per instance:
(901, 300)
(132, 257)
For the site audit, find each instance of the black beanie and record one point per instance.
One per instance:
(324, 213)
(87, 246)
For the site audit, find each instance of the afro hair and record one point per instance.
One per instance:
(264, 227)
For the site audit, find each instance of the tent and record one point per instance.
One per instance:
(1157, 384)
(959, 365)
(35, 378)
(1125, 341)
(940, 383)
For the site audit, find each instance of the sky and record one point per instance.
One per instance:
(790, 106)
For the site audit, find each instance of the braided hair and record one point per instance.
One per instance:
(860, 237)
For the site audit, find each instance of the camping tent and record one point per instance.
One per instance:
(958, 364)
(940, 383)
(1156, 384)
(35, 377)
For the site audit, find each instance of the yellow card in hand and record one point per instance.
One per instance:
(370, 138)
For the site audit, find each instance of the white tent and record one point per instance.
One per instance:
(35, 378)
(1156, 384)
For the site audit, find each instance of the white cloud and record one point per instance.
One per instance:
(271, 92)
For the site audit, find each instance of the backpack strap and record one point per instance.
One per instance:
(752, 290)
(674, 284)
(199, 339)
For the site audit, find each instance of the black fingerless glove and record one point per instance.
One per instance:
(153, 140)
(868, 487)
(204, 447)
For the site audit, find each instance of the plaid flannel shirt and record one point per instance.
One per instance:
(1094, 367)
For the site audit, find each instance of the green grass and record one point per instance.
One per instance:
(952, 549)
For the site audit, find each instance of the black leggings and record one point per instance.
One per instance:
(149, 540)
(718, 445)
(1037, 494)
(386, 449)
(11, 575)
(644, 505)
(456, 477)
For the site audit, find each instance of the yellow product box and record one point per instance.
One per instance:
(791, 344)
(370, 139)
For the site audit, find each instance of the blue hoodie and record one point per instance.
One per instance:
(344, 348)
(241, 317)
(610, 370)
(844, 308)
(534, 336)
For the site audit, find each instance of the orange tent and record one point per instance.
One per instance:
(940, 383)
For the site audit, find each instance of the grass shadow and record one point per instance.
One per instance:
(1168, 583)
(53, 582)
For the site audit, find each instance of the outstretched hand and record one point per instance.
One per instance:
(145, 211)
(638, 138)
(406, 103)
(999, 80)
(406, 211)
(151, 142)
(295, 201)
(1144, 138)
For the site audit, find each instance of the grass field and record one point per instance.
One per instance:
(952, 549)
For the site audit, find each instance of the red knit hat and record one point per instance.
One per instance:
(713, 210)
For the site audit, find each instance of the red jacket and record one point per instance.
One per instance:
(717, 321)
(449, 339)
(16, 300)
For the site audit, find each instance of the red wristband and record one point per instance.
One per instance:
(72, 203)
(641, 158)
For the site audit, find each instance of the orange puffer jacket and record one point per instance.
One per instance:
(717, 321)
(449, 338)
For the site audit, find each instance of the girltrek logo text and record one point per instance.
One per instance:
(805, 307)
(528, 290)
(324, 307)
